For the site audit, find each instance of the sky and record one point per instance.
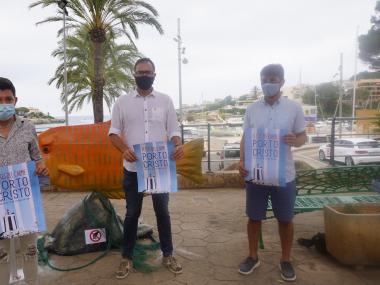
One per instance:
(227, 43)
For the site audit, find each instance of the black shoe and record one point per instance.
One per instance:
(248, 265)
(287, 271)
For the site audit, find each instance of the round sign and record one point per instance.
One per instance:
(96, 235)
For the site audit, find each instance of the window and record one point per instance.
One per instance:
(370, 144)
(347, 144)
(232, 153)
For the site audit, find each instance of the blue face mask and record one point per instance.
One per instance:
(6, 111)
(271, 89)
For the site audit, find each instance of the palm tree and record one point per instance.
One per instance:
(118, 67)
(103, 19)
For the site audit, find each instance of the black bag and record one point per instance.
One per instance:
(318, 240)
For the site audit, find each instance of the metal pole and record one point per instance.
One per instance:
(209, 147)
(332, 143)
(355, 71)
(182, 134)
(179, 68)
(315, 104)
(65, 69)
(340, 93)
(315, 96)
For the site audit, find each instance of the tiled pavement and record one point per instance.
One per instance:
(210, 241)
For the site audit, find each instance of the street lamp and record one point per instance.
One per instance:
(181, 51)
(341, 93)
(62, 5)
(355, 71)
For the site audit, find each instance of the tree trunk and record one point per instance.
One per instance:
(98, 82)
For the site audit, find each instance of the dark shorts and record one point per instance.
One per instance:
(282, 198)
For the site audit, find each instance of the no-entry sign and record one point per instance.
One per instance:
(93, 236)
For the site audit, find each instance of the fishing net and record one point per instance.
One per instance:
(94, 212)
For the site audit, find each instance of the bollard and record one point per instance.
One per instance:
(16, 275)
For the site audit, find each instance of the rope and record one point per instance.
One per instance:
(43, 257)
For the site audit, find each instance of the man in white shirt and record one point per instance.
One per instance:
(142, 116)
(273, 112)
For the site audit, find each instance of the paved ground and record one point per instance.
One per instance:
(309, 154)
(210, 241)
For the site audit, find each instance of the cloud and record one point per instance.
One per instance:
(227, 43)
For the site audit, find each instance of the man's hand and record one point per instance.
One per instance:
(290, 139)
(178, 153)
(243, 172)
(129, 155)
(41, 169)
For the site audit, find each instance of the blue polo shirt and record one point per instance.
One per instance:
(283, 114)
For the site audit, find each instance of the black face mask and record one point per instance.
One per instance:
(144, 82)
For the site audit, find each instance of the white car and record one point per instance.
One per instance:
(190, 133)
(352, 151)
(229, 155)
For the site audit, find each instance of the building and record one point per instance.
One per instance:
(310, 112)
(373, 88)
(34, 110)
(366, 126)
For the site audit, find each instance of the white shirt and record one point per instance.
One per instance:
(138, 119)
(283, 114)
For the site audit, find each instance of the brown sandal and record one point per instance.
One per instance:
(125, 267)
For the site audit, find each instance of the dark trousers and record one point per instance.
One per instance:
(134, 204)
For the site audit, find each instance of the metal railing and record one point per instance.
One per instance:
(214, 156)
(207, 134)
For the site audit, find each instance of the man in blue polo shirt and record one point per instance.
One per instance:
(273, 112)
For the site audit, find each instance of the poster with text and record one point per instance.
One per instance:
(21, 210)
(156, 171)
(265, 156)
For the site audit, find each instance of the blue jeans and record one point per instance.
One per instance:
(134, 201)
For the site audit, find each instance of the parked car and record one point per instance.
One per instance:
(229, 155)
(190, 133)
(352, 151)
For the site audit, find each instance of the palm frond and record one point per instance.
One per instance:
(93, 27)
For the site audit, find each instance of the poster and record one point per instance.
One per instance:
(21, 210)
(156, 171)
(265, 156)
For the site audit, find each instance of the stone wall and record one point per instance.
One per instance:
(225, 179)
